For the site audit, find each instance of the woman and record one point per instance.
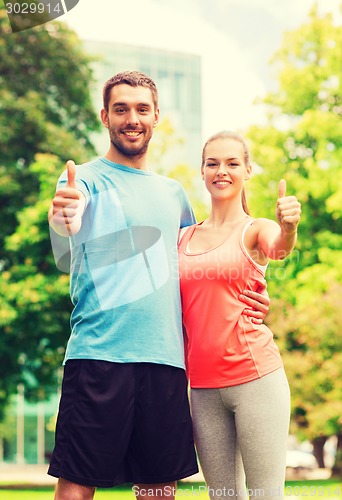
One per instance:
(239, 392)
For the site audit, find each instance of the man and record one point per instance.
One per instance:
(124, 414)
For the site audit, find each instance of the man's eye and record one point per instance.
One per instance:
(143, 110)
(119, 110)
(211, 164)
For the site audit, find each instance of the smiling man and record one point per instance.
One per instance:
(124, 413)
(130, 114)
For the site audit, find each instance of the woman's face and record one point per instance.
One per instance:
(224, 170)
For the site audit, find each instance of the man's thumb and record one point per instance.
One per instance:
(71, 168)
(282, 188)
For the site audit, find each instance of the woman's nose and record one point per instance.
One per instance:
(222, 170)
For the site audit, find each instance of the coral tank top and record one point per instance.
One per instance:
(223, 346)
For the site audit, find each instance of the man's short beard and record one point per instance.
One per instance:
(129, 152)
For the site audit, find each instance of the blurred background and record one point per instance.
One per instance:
(268, 69)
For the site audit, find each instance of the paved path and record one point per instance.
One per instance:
(26, 474)
(36, 475)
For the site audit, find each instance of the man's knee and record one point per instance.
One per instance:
(66, 490)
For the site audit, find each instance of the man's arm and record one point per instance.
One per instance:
(67, 206)
(258, 305)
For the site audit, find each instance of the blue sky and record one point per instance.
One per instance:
(236, 39)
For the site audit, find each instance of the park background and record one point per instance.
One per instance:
(268, 69)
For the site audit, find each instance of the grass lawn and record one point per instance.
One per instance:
(305, 490)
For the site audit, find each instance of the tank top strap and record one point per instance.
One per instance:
(240, 228)
(241, 235)
(184, 236)
(245, 223)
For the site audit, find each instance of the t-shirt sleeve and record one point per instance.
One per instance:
(187, 214)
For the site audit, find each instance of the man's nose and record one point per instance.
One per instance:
(132, 117)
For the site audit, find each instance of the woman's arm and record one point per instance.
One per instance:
(274, 240)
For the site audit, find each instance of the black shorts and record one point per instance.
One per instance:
(123, 423)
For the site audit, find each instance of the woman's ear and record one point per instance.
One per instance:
(248, 172)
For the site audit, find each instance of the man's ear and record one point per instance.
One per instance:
(104, 117)
(156, 117)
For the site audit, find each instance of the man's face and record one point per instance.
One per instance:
(130, 119)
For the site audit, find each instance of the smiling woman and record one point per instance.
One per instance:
(235, 369)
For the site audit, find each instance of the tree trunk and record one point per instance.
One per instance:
(318, 451)
(336, 471)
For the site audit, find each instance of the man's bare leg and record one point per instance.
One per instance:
(66, 490)
(162, 491)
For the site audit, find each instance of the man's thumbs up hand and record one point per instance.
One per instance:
(71, 171)
(288, 209)
(65, 213)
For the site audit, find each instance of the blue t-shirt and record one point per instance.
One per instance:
(124, 268)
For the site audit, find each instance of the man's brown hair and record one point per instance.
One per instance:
(132, 78)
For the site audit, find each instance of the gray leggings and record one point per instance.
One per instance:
(242, 431)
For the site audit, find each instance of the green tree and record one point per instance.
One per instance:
(45, 107)
(306, 287)
(164, 142)
(46, 117)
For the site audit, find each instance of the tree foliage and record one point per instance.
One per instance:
(164, 145)
(302, 143)
(46, 116)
